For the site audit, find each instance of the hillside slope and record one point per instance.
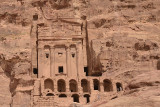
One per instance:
(124, 36)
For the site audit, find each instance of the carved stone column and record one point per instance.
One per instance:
(68, 62)
(101, 87)
(82, 100)
(52, 62)
(42, 85)
(80, 90)
(91, 85)
(114, 86)
(55, 86)
(67, 87)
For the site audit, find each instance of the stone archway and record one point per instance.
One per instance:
(87, 96)
(61, 85)
(85, 85)
(75, 98)
(107, 85)
(48, 84)
(73, 86)
(96, 84)
(50, 94)
(62, 96)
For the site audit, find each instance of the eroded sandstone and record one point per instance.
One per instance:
(122, 45)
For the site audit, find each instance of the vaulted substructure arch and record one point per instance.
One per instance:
(73, 86)
(50, 94)
(61, 85)
(107, 85)
(48, 84)
(87, 96)
(75, 98)
(63, 96)
(85, 85)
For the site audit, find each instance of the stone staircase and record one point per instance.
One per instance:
(45, 102)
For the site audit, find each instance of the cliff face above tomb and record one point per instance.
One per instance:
(124, 41)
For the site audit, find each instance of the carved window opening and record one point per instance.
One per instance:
(61, 86)
(96, 84)
(73, 86)
(86, 70)
(119, 87)
(47, 50)
(73, 55)
(35, 71)
(60, 54)
(85, 85)
(47, 55)
(60, 69)
(87, 98)
(75, 98)
(107, 85)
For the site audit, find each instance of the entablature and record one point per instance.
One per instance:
(56, 44)
(60, 28)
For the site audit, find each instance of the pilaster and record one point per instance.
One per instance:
(79, 87)
(80, 60)
(101, 87)
(67, 88)
(52, 62)
(114, 86)
(40, 62)
(42, 85)
(69, 73)
(91, 85)
(55, 87)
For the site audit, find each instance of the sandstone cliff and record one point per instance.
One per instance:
(124, 41)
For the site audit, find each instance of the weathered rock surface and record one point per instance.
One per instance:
(5, 95)
(142, 91)
(125, 45)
